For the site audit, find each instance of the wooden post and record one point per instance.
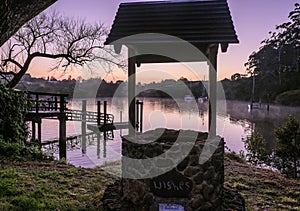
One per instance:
(33, 135)
(105, 120)
(40, 131)
(98, 112)
(104, 145)
(98, 145)
(121, 120)
(62, 130)
(131, 91)
(105, 112)
(213, 52)
(55, 103)
(37, 103)
(83, 127)
(62, 136)
(141, 117)
(137, 115)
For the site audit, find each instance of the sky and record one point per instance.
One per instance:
(253, 20)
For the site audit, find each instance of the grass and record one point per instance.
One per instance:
(34, 185)
(55, 185)
(262, 188)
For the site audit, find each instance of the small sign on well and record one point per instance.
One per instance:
(170, 207)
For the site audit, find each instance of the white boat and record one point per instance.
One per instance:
(253, 106)
(202, 99)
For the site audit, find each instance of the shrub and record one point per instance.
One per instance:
(12, 119)
(233, 156)
(288, 146)
(256, 147)
(21, 152)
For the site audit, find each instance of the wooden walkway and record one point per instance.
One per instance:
(54, 106)
(51, 105)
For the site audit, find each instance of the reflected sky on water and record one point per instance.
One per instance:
(234, 125)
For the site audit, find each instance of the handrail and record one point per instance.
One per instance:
(77, 114)
(54, 101)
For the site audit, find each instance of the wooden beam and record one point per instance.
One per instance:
(131, 91)
(212, 56)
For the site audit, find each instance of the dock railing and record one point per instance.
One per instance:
(40, 101)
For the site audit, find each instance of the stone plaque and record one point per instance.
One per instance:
(169, 207)
(171, 184)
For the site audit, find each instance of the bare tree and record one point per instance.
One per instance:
(70, 42)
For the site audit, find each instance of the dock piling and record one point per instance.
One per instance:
(83, 126)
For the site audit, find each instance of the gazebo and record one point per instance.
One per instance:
(183, 184)
(204, 24)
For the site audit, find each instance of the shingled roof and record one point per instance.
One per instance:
(193, 21)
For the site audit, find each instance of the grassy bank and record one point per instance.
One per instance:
(33, 185)
(262, 189)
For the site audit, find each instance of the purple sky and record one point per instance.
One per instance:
(253, 19)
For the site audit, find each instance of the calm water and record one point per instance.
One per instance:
(234, 123)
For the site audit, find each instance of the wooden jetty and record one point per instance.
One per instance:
(54, 106)
(48, 105)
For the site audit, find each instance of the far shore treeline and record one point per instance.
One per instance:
(235, 88)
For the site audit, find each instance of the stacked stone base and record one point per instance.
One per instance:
(112, 200)
(191, 183)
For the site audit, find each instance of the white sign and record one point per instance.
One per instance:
(170, 207)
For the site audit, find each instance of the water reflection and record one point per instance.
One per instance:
(235, 126)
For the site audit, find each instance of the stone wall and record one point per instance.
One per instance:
(185, 181)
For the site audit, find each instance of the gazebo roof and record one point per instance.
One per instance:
(198, 22)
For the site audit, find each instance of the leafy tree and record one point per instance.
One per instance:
(69, 42)
(281, 50)
(288, 33)
(276, 63)
(12, 120)
(288, 146)
(256, 147)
